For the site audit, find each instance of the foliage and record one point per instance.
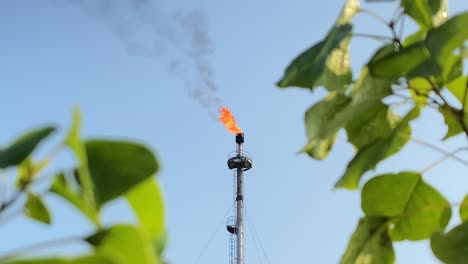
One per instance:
(105, 170)
(419, 70)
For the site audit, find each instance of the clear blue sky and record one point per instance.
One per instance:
(131, 72)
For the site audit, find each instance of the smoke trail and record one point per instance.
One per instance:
(183, 34)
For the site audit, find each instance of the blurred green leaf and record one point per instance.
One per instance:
(118, 166)
(36, 209)
(23, 146)
(464, 209)
(64, 189)
(27, 170)
(458, 88)
(452, 120)
(147, 202)
(420, 89)
(370, 243)
(415, 209)
(76, 144)
(421, 11)
(452, 247)
(368, 157)
(124, 244)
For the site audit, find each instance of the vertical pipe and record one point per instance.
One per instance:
(240, 206)
(240, 216)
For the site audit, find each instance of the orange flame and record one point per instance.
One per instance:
(229, 121)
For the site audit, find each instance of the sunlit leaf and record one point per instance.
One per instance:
(327, 63)
(147, 202)
(452, 247)
(458, 88)
(23, 146)
(306, 70)
(73, 195)
(76, 144)
(118, 166)
(452, 120)
(367, 158)
(421, 11)
(414, 208)
(36, 209)
(420, 89)
(370, 243)
(125, 244)
(464, 209)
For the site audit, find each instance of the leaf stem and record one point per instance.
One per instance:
(41, 245)
(375, 15)
(440, 150)
(371, 36)
(443, 158)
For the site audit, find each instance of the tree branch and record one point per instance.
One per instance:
(443, 158)
(371, 36)
(440, 150)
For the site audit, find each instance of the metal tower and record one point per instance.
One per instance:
(240, 163)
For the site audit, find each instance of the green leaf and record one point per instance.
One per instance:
(417, 36)
(464, 209)
(368, 157)
(94, 259)
(326, 63)
(458, 88)
(420, 89)
(36, 209)
(23, 146)
(421, 11)
(452, 247)
(125, 244)
(306, 70)
(147, 202)
(324, 119)
(76, 144)
(118, 166)
(375, 123)
(452, 120)
(415, 209)
(27, 170)
(425, 58)
(65, 190)
(370, 243)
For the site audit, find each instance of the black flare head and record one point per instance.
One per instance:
(240, 138)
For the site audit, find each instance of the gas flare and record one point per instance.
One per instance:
(229, 121)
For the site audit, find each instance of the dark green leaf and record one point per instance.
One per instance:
(447, 37)
(324, 119)
(418, 36)
(326, 63)
(74, 195)
(22, 147)
(452, 247)
(464, 209)
(148, 204)
(368, 157)
(370, 243)
(375, 123)
(36, 209)
(118, 166)
(127, 244)
(415, 209)
(306, 70)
